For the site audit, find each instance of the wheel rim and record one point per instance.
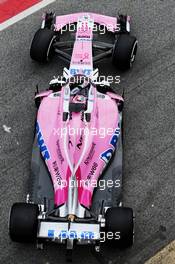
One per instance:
(133, 53)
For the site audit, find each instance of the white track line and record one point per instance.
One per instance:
(25, 13)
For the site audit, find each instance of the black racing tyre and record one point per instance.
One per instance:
(124, 51)
(42, 45)
(120, 219)
(23, 222)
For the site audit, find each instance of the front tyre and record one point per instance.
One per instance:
(42, 45)
(119, 221)
(23, 222)
(124, 51)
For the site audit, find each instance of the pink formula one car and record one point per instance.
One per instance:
(77, 154)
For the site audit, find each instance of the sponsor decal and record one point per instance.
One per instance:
(81, 62)
(74, 71)
(91, 154)
(106, 156)
(60, 156)
(51, 233)
(79, 38)
(57, 173)
(82, 56)
(100, 95)
(80, 143)
(41, 144)
(92, 171)
(70, 143)
(74, 235)
(83, 37)
(77, 71)
(56, 94)
(87, 71)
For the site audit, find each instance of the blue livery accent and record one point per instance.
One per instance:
(87, 71)
(51, 233)
(115, 137)
(63, 234)
(107, 155)
(41, 144)
(87, 235)
(76, 71)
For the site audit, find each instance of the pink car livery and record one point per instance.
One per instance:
(78, 138)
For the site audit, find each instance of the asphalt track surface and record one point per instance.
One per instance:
(149, 115)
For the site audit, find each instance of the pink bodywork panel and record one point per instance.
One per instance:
(82, 59)
(105, 117)
(115, 96)
(43, 94)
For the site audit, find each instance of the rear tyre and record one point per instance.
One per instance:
(124, 51)
(119, 221)
(42, 45)
(23, 222)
